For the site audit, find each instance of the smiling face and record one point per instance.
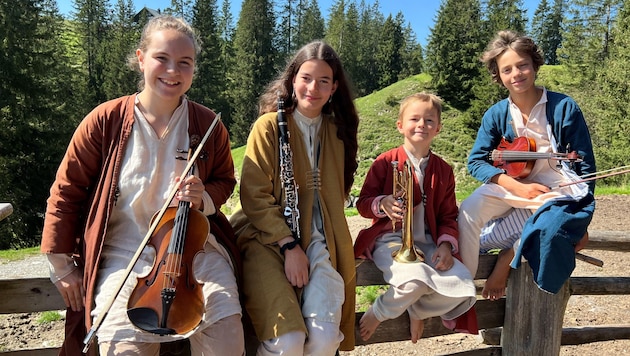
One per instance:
(516, 72)
(419, 124)
(167, 64)
(313, 85)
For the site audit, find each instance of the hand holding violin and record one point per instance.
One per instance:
(191, 190)
(518, 188)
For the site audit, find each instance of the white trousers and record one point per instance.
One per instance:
(323, 340)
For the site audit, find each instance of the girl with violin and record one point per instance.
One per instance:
(298, 260)
(123, 159)
(538, 123)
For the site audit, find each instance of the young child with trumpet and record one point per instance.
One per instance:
(436, 283)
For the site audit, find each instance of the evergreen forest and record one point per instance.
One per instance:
(56, 68)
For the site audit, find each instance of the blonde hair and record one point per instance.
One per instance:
(424, 97)
(159, 23)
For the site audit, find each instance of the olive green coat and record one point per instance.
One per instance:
(270, 300)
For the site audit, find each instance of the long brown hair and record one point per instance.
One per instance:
(340, 107)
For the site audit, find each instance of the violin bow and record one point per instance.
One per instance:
(99, 320)
(593, 176)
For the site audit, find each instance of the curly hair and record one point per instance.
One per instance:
(340, 107)
(519, 43)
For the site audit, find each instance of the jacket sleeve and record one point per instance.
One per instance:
(374, 186)
(488, 138)
(70, 192)
(260, 185)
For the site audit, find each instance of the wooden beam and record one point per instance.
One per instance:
(6, 209)
(608, 240)
(599, 285)
(29, 295)
(571, 335)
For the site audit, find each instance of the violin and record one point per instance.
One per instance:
(153, 313)
(517, 158)
(169, 300)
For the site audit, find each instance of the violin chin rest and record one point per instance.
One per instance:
(147, 319)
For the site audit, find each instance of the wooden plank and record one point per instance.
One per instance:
(599, 285)
(29, 295)
(6, 209)
(608, 240)
(34, 352)
(486, 351)
(572, 335)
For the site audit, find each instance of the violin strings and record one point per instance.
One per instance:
(522, 156)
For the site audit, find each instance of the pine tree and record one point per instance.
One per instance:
(388, 53)
(35, 106)
(349, 53)
(181, 8)
(335, 27)
(92, 22)
(208, 86)
(225, 29)
(546, 29)
(587, 35)
(504, 15)
(607, 105)
(370, 30)
(123, 35)
(255, 64)
(311, 26)
(412, 54)
(453, 51)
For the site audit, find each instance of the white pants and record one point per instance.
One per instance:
(323, 340)
(225, 337)
(487, 202)
(409, 296)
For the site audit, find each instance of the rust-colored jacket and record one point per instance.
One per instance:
(83, 193)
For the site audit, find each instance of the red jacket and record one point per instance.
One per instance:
(439, 187)
(440, 212)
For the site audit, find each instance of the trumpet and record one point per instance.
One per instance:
(403, 192)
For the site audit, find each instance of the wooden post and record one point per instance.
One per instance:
(533, 318)
(5, 210)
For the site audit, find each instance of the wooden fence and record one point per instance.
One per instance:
(510, 331)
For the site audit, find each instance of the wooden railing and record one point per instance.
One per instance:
(39, 294)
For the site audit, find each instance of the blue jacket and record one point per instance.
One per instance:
(549, 236)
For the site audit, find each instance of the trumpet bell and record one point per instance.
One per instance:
(408, 255)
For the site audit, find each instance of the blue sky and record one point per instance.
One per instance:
(419, 13)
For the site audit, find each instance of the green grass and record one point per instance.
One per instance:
(48, 317)
(367, 295)
(14, 255)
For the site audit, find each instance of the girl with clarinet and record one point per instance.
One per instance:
(298, 260)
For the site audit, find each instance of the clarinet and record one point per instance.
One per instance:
(291, 211)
